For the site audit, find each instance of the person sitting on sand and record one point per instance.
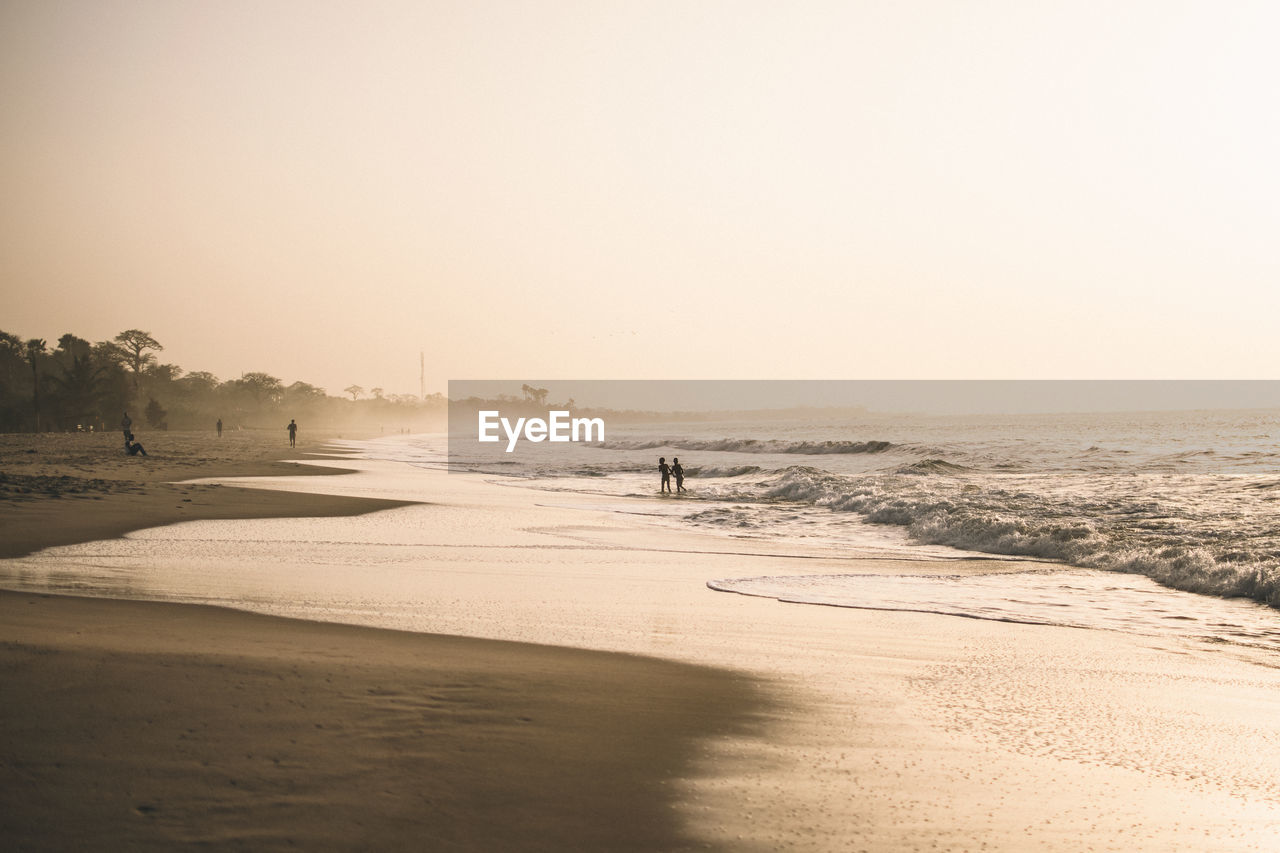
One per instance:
(665, 470)
(293, 432)
(133, 448)
(679, 472)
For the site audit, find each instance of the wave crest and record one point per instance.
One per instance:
(754, 445)
(711, 471)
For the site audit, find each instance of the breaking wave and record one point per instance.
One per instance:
(713, 472)
(932, 466)
(753, 445)
(1181, 546)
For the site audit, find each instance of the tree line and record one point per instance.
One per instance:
(78, 385)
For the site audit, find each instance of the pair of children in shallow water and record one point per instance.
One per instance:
(667, 470)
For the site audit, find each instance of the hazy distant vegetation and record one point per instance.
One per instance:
(76, 384)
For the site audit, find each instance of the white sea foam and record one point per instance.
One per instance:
(753, 445)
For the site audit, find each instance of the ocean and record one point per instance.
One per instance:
(1186, 498)
(1135, 505)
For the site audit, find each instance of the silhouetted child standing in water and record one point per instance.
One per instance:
(219, 427)
(665, 470)
(293, 432)
(679, 472)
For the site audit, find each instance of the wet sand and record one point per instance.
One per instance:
(59, 488)
(138, 725)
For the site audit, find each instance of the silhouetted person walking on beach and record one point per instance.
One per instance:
(679, 472)
(219, 427)
(293, 432)
(126, 424)
(665, 470)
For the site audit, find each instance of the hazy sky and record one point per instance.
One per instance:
(602, 189)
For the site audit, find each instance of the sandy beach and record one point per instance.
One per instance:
(130, 725)
(143, 725)
(660, 714)
(60, 488)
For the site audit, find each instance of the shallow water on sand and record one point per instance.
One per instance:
(1070, 598)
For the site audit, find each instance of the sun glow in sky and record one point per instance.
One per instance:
(321, 190)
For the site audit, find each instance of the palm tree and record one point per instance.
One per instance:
(36, 348)
(536, 395)
(80, 386)
(12, 352)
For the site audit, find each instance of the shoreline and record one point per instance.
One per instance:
(201, 724)
(70, 488)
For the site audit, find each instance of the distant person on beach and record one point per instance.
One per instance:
(132, 447)
(679, 472)
(126, 424)
(219, 427)
(665, 470)
(293, 432)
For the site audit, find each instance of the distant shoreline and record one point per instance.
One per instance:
(68, 488)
